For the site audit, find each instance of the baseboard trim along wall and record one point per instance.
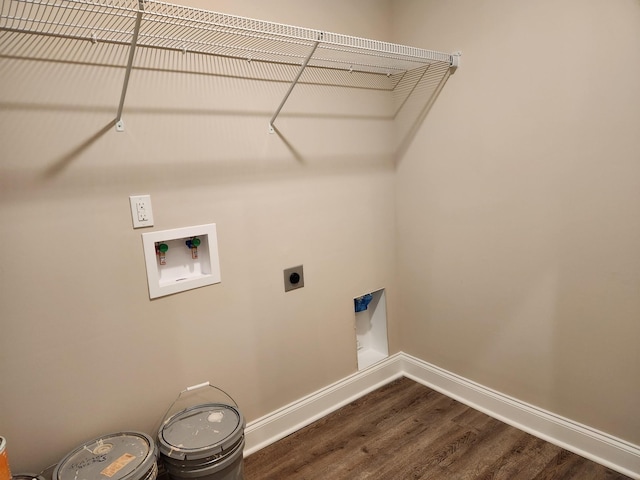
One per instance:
(299, 414)
(600, 447)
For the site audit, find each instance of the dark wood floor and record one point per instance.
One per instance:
(404, 431)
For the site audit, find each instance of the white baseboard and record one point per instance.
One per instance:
(276, 425)
(600, 447)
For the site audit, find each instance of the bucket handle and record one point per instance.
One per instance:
(195, 387)
(190, 389)
(202, 385)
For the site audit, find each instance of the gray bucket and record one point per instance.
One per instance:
(27, 476)
(204, 442)
(117, 456)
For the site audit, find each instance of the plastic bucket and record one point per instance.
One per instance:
(117, 456)
(27, 476)
(5, 471)
(227, 467)
(203, 442)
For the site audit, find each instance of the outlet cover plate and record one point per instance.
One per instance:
(293, 278)
(141, 213)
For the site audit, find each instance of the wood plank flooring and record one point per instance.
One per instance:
(406, 431)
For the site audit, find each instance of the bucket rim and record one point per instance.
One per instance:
(139, 473)
(182, 452)
(25, 475)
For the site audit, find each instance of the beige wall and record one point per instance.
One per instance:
(516, 243)
(519, 205)
(83, 351)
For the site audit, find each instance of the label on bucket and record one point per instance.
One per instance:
(117, 465)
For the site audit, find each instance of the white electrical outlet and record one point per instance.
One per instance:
(141, 212)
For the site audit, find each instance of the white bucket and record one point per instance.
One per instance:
(117, 456)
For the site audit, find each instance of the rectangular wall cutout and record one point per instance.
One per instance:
(181, 259)
(371, 329)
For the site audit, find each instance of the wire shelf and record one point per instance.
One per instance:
(151, 24)
(187, 29)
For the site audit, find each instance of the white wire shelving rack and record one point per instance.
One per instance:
(151, 24)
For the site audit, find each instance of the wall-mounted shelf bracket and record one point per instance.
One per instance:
(132, 51)
(455, 60)
(293, 84)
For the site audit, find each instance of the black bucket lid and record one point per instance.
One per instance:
(117, 456)
(201, 431)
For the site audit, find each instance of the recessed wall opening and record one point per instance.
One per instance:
(371, 328)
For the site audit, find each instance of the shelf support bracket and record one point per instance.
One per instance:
(455, 60)
(293, 84)
(132, 51)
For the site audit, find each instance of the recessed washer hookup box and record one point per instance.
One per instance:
(181, 259)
